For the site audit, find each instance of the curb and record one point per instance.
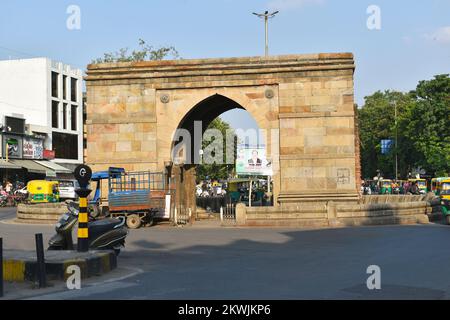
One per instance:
(24, 266)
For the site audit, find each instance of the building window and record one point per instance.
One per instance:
(73, 118)
(65, 87)
(14, 125)
(65, 145)
(54, 84)
(65, 116)
(55, 114)
(73, 87)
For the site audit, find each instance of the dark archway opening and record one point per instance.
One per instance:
(188, 163)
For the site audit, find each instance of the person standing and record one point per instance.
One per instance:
(8, 187)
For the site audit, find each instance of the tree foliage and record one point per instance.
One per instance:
(214, 170)
(423, 117)
(144, 53)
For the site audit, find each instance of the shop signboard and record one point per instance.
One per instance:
(49, 154)
(12, 144)
(33, 148)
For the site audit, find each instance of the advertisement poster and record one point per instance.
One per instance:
(14, 144)
(33, 148)
(253, 161)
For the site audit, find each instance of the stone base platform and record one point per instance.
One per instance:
(374, 210)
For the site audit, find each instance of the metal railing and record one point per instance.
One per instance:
(135, 181)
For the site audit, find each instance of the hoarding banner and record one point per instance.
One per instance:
(33, 148)
(253, 161)
(14, 144)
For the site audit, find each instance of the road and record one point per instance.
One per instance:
(266, 263)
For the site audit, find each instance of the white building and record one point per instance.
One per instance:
(41, 99)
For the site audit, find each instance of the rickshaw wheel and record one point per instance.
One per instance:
(134, 221)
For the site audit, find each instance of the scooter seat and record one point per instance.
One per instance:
(102, 226)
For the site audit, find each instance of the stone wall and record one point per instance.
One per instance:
(370, 211)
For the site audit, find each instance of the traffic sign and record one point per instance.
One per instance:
(83, 175)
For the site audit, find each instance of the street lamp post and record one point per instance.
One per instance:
(396, 140)
(266, 15)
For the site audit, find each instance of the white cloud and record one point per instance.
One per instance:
(441, 35)
(292, 4)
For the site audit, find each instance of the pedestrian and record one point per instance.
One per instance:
(8, 187)
(414, 189)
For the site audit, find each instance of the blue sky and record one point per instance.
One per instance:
(413, 43)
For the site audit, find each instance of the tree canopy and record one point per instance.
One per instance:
(423, 122)
(214, 170)
(144, 53)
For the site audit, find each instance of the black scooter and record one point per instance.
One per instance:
(105, 234)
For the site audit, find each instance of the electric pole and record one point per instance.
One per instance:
(266, 15)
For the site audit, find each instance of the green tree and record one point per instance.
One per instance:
(144, 53)
(377, 122)
(429, 124)
(423, 120)
(218, 171)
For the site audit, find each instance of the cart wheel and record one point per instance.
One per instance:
(134, 221)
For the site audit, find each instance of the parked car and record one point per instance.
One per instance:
(67, 189)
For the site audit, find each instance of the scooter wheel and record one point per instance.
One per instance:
(134, 221)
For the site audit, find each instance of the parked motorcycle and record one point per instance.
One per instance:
(105, 234)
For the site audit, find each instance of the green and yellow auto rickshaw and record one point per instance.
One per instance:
(445, 199)
(42, 191)
(386, 186)
(436, 185)
(421, 184)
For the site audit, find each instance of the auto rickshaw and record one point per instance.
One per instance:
(421, 184)
(445, 199)
(386, 186)
(42, 191)
(436, 185)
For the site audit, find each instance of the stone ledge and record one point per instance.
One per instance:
(222, 66)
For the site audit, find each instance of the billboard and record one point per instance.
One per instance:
(253, 161)
(14, 146)
(33, 148)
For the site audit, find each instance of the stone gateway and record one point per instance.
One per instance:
(134, 109)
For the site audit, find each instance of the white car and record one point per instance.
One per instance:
(67, 189)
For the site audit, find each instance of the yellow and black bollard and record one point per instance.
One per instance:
(83, 174)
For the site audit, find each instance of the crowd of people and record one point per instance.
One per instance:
(397, 187)
(208, 188)
(9, 193)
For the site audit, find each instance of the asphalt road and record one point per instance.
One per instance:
(256, 263)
